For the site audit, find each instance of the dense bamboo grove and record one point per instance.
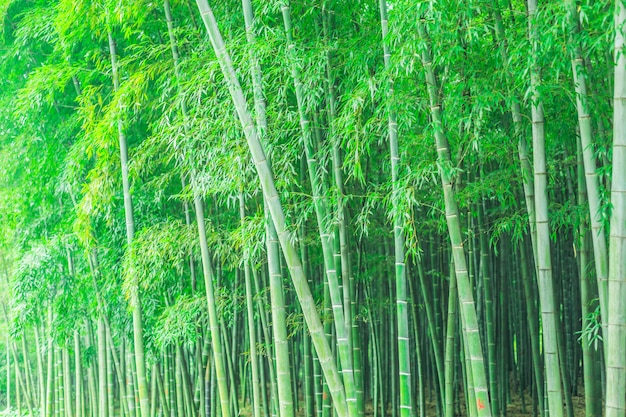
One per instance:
(328, 208)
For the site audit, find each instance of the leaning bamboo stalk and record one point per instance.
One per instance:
(325, 227)
(349, 284)
(591, 179)
(467, 308)
(298, 277)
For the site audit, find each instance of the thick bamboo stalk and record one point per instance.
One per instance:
(616, 320)
(543, 260)
(91, 373)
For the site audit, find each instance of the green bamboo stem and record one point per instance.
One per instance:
(103, 410)
(349, 290)
(269, 191)
(91, 373)
(616, 320)
(592, 183)
(254, 361)
(309, 382)
(450, 345)
(18, 387)
(209, 274)
(153, 390)
(8, 369)
(279, 317)
(60, 386)
(404, 361)
(110, 388)
(135, 302)
(532, 318)
(67, 382)
(489, 310)
(469, 320)
(29, 387)
(415, 320)
(431, 321)
(200, 382)
(41, 382)
(78, 376)
(593, 407)
(549, 312)
(320, 203)
(232, 394)
(180, 411)
(21, 383)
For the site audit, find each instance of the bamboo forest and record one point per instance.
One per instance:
(314, 208)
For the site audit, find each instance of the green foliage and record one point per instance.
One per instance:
(182, 322)
(61, 185)
(159, 255)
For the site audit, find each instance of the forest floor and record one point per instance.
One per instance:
(514, 408)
